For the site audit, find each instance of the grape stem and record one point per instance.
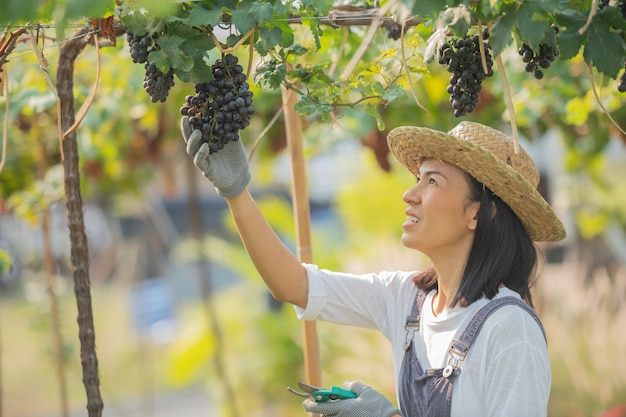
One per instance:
(509, 101)
(224, 50)
(592, 13)
(481, 46)
(595, 93)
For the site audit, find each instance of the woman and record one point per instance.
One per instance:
(464, 336)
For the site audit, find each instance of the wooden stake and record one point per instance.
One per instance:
(300, 200)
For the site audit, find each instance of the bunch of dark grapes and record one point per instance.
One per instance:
(394, 32)
(536, 61)
(140, 46)
(463, 59)
(221, 107)
(156, 83)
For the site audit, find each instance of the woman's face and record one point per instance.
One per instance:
(440, 219)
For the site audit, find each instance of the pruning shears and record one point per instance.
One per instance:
(320, 395)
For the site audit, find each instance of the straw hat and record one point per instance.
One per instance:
(489, 156)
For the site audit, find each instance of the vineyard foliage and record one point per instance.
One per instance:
(360, 65)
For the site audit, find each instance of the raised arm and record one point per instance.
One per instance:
(282, 272)
(228, 171)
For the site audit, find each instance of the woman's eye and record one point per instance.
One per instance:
(432, 181)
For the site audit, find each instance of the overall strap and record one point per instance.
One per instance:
(460, 346)
(413, 320)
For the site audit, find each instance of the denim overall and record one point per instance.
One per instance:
(428, 393)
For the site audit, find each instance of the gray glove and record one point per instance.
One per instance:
(226, 169)
(369, 403)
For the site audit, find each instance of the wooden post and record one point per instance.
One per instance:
(300, 200)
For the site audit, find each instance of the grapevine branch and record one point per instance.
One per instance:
(87, 104)
(597, 96)
(405, 65)
(79, 250)
(5, 127)
(367, 40)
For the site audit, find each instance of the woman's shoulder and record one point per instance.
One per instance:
(513, 323)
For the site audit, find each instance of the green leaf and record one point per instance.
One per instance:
(160, 60)
(170, 47)
(243, 19)
(569, 40)
(605, 50)
(262, 11)
(374, 110)
(394, 92)
(458, 19)
(200, 16)
(501, 33)
(531, 28)
(306, 106)
(269, 37)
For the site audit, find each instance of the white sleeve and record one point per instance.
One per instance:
(357, 300)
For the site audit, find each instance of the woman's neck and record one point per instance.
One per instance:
(449, 276)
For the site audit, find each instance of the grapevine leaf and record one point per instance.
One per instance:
(457, 18)
(159, 59)
(605, 50)
(243, 19)
(394, 92)
(428, 8)
(200, 16)
(611, 16)
(321, 7)
(170, 48)
(198, 74)
(271, 76)
(374, 110)
(269, 37)
(262, 11)
(530, 28)
(141, 24)
(157, 8)
(501, 33)
(570, 41)
(306, 106)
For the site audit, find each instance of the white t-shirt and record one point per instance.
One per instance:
(505, 373)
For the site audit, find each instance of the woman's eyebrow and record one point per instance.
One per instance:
(430, 172)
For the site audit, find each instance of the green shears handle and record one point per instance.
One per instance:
(331, 394)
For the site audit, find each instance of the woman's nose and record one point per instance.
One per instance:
(411, 195)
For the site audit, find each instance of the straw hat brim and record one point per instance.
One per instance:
(411, 144)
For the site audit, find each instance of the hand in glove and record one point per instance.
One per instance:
(226, 169)
(369, 403)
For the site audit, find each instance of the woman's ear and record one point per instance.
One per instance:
(472, 215)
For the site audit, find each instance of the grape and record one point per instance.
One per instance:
(221, 107)
(463, 59)
(156, 83)
(394, 32)
(536, 61)
(140, 46)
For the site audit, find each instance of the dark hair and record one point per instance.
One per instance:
(501, 252)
